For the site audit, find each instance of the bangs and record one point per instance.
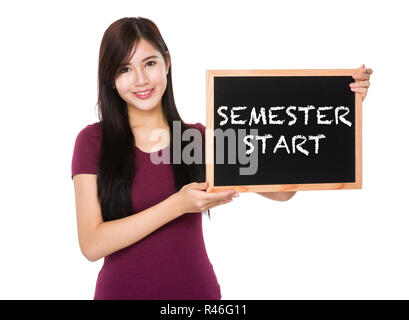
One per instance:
(127, 53)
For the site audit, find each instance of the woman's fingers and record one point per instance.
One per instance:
(215, 204)
(213, 199)
(198, 186)
(365, 73)
(361, 76)
(358, 86)
(365, 84)
(360, 90)
(365, 70)
(219, 196)
(361, 83)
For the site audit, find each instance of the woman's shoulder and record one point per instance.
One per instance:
(86, 150)
(91, 132)
(198, 125)
(92, 129)
(89, 138)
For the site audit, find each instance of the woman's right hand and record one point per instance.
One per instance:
(193, 197)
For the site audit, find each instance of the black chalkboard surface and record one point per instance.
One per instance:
(275, 130)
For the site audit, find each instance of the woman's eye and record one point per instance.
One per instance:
(153, 63)
(123, 70)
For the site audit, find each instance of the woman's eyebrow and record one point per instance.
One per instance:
(150, 57)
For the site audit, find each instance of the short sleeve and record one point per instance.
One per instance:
(86, 152)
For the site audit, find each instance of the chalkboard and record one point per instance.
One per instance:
(283, 130)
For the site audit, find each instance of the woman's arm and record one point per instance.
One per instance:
(278, 196)
(98, 239)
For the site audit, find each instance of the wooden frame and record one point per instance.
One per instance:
(211, 74)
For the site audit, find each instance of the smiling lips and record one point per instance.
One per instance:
(144, 94)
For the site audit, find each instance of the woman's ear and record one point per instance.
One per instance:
(167, 62)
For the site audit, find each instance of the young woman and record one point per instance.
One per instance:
(144, 218)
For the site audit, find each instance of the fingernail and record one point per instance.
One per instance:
(235, 195)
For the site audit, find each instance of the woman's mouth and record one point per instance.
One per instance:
(144, 94)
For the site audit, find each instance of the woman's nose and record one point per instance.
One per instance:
(140, 78)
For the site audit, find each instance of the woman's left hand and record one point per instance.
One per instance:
(362, 81)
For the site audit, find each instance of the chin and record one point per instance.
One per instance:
(142, 107)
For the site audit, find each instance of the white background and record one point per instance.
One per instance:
(348, 244)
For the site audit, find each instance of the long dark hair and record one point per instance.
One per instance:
(117, 166)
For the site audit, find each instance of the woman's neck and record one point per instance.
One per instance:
(149, 119)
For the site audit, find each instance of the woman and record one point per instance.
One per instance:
(144, 218)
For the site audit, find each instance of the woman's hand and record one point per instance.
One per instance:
(193, 198)
(362, 81)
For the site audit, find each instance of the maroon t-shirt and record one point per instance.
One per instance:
(171, 262)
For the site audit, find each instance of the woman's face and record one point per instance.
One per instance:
(142, 82)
